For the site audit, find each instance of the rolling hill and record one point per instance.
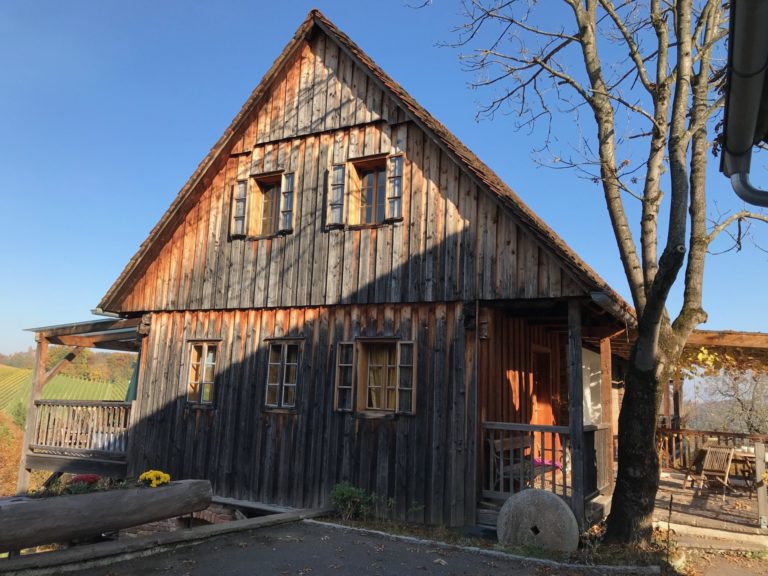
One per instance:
(15, 383)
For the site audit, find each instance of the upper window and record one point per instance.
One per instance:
(282, 374)
(372, 190)
(202, 371)
(266, 209)
(375, 375)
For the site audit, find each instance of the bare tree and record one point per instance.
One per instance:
(647, 73)
(731, 389)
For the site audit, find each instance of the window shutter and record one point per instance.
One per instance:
(345, 375)
(238, 224)
(406, 401)
(394, 187)
(336, 196)
(286, 204)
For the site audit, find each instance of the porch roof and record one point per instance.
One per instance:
(110, 334)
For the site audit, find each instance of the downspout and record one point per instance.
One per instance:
(747, 59)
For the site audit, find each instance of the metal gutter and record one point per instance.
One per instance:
(747, 63)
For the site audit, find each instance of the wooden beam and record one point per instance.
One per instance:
(576, 404)
(90, 341)
(38, 379)
(64, 362)
(728, 338)
(88, 327)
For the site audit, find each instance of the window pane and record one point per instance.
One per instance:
(210, 357)
(391, 399)
(240, 208)
(208, 374)
(193, 392)
(194, 373)
(292, 354)
(291, 370)
(272, 394)
(272, 374)
(197, 353)
(395, 208)
(289, 396)
(207, 393)
(275, 350)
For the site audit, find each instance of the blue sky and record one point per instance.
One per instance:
(107, 107)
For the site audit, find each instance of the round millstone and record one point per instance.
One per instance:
(537, 518)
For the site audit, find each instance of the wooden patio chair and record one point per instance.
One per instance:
(714, 470)
(510, 462)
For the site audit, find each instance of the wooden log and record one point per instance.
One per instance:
(762, 493)
(33, 522)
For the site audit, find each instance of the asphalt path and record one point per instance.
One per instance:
(301, 549)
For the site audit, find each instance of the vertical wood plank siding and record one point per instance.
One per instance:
(295, 457)
(455, 241)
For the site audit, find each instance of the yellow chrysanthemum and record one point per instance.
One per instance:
(155, 478)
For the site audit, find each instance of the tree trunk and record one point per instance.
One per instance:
(637, 481)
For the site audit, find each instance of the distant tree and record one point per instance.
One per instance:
(640, 80)
(19, 359)
(731, 389)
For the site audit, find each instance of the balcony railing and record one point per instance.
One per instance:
(81, 428)
(519, 456)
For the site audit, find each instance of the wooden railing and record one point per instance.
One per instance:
(519, 456)
(677, 448)
(96, 429)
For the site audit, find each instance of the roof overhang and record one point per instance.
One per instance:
(114, 334)
(746, 103)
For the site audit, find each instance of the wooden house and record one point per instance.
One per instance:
(342, 291)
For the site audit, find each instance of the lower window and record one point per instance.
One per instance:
(375, 375)
(282, 374)
(202, 372)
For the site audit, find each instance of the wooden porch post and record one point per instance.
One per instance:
(38, 379)
(576, 399)
(606, 383)
(762, 495)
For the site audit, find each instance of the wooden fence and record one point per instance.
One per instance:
(677, 448)
(81, 428)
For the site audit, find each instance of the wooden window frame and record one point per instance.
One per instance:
(282, 185)
(345, 205)
(281, 373)
(198, 398)
(359, 390)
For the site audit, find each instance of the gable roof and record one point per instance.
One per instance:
(590, 280)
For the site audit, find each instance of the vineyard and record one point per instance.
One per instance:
(15, 384)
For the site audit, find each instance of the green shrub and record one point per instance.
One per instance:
(350, 502)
